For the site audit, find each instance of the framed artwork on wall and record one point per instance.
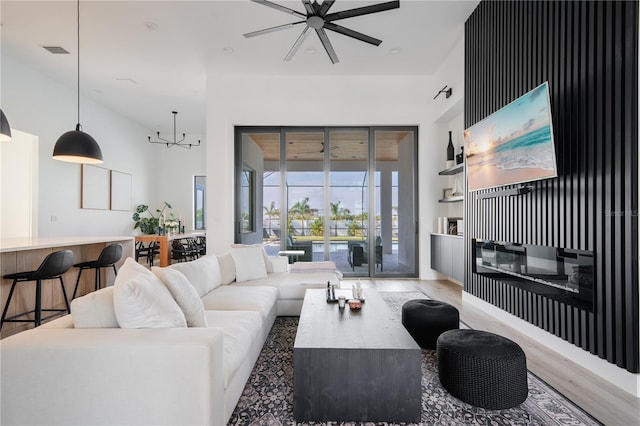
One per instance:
(94, 183)
(120, 191)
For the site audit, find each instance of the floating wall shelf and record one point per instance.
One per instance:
(458, 168)
(455, 199)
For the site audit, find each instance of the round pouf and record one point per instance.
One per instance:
(426, 319)
(482, 368)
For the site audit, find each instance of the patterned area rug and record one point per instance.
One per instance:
(268, 396)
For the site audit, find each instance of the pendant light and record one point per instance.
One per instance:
(5, 129)
(76, 146)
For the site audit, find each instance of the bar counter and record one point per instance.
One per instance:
(26, 254)
(21, 244)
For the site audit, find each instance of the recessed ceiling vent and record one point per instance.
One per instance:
(56, 50)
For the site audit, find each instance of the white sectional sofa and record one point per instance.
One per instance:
(125, 355)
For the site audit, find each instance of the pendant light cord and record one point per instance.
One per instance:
(78, 74)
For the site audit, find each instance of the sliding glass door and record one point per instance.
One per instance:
(304, 191)
(349, 199)
(396, 215)
(347, 195)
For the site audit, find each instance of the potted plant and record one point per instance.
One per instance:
(151, 223)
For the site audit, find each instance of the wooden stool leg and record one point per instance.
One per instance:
(96, 280)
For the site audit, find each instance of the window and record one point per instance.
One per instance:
(247, 200)
(326, 190)
(199, 202)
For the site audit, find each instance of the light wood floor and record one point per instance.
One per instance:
(598, 397)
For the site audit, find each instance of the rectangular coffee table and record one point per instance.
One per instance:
(354, 365)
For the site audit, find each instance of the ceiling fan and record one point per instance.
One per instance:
(318, 18)
(331, 153)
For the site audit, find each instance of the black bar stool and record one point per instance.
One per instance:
(53, 266)
(108, 257)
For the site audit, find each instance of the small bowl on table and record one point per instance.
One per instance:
(355, 304)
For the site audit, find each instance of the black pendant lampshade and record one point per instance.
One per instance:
(76, 146)
(5, 129)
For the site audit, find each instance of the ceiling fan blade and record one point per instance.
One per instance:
(351, 33)
(280, 8)
(326, 5)
(298, 43)
(327, 45)
(309, 7)
(363, 10)
(272, 29)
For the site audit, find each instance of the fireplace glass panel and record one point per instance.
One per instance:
(559, 273)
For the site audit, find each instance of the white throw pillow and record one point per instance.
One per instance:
(249, 263)
(94, 310)
(141, 300)
(185, 294)
(265, 256)
(202, 273)
(227, 268)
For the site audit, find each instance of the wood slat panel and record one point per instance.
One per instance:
(588, 53)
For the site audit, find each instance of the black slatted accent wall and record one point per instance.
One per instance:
(588, 51)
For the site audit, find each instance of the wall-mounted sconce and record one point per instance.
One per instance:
(446, 91)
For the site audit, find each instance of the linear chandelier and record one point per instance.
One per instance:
(175, 142)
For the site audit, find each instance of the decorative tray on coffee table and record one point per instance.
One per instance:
(329, 300)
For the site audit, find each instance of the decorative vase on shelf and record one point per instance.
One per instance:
(460, 157)
(450, 152)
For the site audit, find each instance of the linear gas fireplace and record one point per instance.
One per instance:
(561, 274)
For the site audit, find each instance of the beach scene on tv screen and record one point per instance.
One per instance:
(512, 145)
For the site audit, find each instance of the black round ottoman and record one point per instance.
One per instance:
(426, 319)
(482, 368)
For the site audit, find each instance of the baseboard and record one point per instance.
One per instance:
(617, 376)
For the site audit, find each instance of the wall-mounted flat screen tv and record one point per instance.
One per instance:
(513, 145)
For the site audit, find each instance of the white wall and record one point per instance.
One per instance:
(37, 104)
(18, 183)
(174, 172)
(315, 100)
(449, 115)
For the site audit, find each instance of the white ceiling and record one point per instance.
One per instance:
(169, 63)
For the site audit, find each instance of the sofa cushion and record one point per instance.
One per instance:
(235, 298)
(184, 294)
(240, 329)
(202, 273)
(94, 310)
(140, 300)
(265, 256)
(227, 268)
(249, 263)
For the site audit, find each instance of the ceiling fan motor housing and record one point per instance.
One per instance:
(315, 22)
